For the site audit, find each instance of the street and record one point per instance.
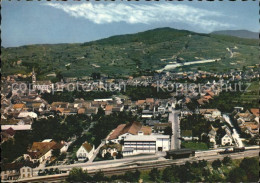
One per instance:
(174, 119)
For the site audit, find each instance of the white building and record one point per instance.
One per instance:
(226, 140)
(145, 144)
(26, 172)
(86, 151)
(25, 114)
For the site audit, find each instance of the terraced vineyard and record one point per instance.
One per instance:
(125, 55)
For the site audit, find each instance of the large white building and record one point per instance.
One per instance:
(145, 144)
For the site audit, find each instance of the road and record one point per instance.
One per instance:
(96, 152)
(103, 164)
(147, 165)
(174, 119)
(235, 134)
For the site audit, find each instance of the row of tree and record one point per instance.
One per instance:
(247, 171)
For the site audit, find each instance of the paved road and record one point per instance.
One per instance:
(96, 152)
(235, 134)
(174, 119)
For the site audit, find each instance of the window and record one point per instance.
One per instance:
(28, 170)
(23, 170)
(23, 175)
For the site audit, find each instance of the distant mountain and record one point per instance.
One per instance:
(131, 54)
(238, 33)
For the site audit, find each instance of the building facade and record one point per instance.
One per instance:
(145, 144)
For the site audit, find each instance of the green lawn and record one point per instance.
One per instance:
(195, 145)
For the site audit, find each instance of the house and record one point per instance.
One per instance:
(108, 109)
(187, 135)
(123, 130)
(25, 114)
(212, 136)
(43, 85)
(14, 171)
(42, 151)
(255, 111)
(208, 113)
(19, 106)
(81, 110)
(160, 127)
(226, 140)
(91, 110)
(145, 144)
(85, 152)
(151, 122)
(26, 171)
(111, 148)
(7, 134)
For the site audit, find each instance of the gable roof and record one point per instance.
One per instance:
(255, 111)
(38, 149)
(18, 106)
(88, 147)
(131, 127)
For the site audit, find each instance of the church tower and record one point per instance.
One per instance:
(33, 77)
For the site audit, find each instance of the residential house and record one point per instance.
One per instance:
(85, 152)
(160, 127)
(210, 113)
(42, 151)
(187, 135)
(226, 140)
(112, 148)
(13, 171)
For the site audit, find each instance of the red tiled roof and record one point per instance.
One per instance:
(255, 111)
(149, 100)
(88, 147)
(18, 106)
(131, 128)
(10, 131)
(140, 102)
(109, 108)
(38, 149)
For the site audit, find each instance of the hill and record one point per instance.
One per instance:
(238, 33)
(133, 54)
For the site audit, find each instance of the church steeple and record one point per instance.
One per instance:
(33, 77)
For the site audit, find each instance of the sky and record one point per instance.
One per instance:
(50, 22)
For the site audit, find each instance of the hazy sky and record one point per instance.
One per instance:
(51, 22)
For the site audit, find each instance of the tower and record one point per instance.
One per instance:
(33, 77)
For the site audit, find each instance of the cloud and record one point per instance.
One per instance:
(143, 14)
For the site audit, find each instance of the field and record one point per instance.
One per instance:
(121, 56)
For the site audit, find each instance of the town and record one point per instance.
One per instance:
(129, 91)
(48, 128)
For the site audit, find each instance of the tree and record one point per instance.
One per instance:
(237, 175)
(107, 156)
(168, 175)
(132, 176)
(119, 155)
(168, 131)
(154, 174)
(226, 160)
(251, 167)
(216, 164)
(55, 152)
(78, 175)
(99, 176)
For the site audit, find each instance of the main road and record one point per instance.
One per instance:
(174, 120)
